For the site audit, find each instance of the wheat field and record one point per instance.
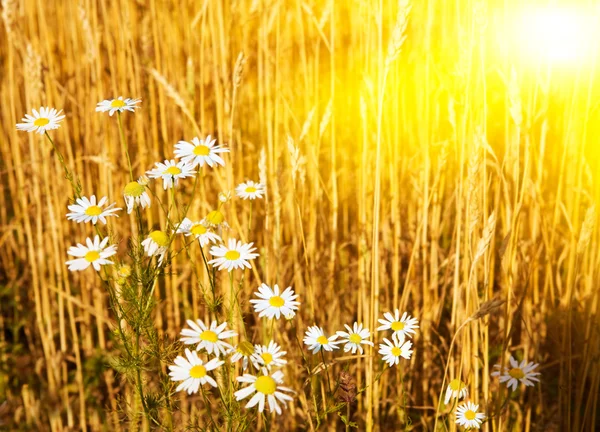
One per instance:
(415, 157)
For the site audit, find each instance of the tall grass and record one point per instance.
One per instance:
(431, 173)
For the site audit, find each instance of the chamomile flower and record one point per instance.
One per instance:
(355, 337)
(200, 152)
(199, 230)
(215, 219)
(135, 194)
(274, 304)
(224, 196)
(235, 255)
(268, 356)
(193, 371)
(87, 210)
(157, 244)
(402, 327)
(209, 338)
(95, 254)
(41, 121)
(171, 172)
(467, 416)
(119, 104)
(244, 351)
(315, 339)
(522, 372)
(456, 388)
(250, 190)
(392, 351)
(264, 386)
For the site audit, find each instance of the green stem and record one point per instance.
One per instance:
(68, 175)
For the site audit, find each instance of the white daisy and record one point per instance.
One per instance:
(273, 304)
(401, 326)
(157, 244)
(467, 416)
(200, 152)
(517, 373)
(193, 371)
(198, 229)
(354, 337)
(215, 219)
(209, 338)
(94, 254)
(119, 104)
(266, 387)
(86, 210)
(234, 255)
(244, 351)
(171, 172)
(456, 388)
(250, 190)
(392, 351)
(44, 120)
(315, 339)
(268, 356)
(135, 193)
(224, 196)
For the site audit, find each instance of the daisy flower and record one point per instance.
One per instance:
(41, 121)
(392, 351)
(517, 373)
(273, 304)
(456, 388)
(193, 371)
(224, 196)
(93, 254)
(135, 193)
(86, 210)
(250, 190)
(244, 351)
(315, 339)
(215, 218)
(119, 104)
(467, 416)
(171, 172)
(200, 152)
(199, 230)
(268, 356)
(354, 337)
(266, 387)
(234, 255)
(402, 327)
(209, 338)
(157, 244)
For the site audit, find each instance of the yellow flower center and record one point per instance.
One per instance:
(198, 371)
(198, 229)
(516, 373)
(245, 348)
(92, 256)
(117, 103)
(232, 255)
(133, 189)
(160, 238)
(396, 352)
(322, 340)
(265, 385)
(355, 338)
(93, 210)
(209, 336)
(470, 415)
(215, 217)
(276, 301)
(172, 170)
(42, 121)
(250, 189)
(457, 384)
(267, 357)
(397, 326)
(201, 150)
(124, 271)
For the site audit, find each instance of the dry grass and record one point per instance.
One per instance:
(431, 172)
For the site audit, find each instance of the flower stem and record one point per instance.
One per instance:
(68, 175)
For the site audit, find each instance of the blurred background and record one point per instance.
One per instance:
(388, 161)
